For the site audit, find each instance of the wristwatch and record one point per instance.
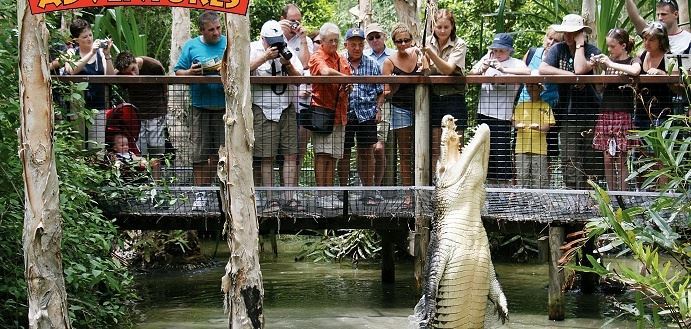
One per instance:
(580, 46)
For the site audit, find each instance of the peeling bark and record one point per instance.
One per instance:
(242, 283)
(42, 233)
(588, 10)
(406, 10)
(684, 14)
(365, 18)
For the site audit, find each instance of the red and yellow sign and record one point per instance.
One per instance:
(230, 6)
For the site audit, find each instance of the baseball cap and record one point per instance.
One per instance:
(502, 40)
(355, 33)
(272, 32)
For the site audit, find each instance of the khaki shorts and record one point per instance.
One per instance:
(270, 136)
(207, 133)
(331, 144)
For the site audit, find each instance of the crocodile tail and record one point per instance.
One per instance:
(419, 319)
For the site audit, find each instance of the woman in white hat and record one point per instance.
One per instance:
(578, 104)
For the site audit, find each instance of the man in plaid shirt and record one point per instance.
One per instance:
(363, 115)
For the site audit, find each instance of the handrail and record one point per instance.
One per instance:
(470, 79)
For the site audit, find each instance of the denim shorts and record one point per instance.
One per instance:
(401, 118)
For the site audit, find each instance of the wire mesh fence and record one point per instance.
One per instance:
(383, 148)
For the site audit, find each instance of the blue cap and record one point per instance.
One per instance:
(355, 32)
(502, 40)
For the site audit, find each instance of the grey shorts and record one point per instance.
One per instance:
(331, 144)
(207, 133)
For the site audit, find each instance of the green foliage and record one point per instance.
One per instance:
(355, 245)
(657, 236)
(120, 25)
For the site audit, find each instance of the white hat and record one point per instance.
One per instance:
(272, 32)
(572, 23)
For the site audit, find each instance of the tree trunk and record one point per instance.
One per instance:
(684, 14)
(42, 233)
(365, 13)
(242, 283)
(178, 95)
(588, 9)
(406, 10)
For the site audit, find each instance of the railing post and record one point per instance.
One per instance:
(422, 177)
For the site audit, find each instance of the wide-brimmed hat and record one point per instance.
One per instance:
(502, 41)
(572, 23)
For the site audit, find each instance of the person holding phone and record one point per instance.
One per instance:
(94, 59)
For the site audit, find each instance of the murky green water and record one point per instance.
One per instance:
(309, 295)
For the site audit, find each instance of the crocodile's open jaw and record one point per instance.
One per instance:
(472, 163)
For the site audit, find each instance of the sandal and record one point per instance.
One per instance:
(407, 202)
(295, 205)
(272, 206)
(371, 201)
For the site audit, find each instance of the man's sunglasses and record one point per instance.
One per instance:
(373, 36)
(672, 3)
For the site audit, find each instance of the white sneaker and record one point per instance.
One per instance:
(200, 202)
(329, 202)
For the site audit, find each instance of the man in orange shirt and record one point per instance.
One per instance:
(328, 147)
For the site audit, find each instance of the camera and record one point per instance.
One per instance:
(294, 25)
(282, 48)
(101, 43)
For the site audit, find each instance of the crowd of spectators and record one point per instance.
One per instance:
(585, 127)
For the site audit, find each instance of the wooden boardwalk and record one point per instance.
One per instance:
(502, 206)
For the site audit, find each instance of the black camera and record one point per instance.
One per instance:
(282, 48)
(294, 24)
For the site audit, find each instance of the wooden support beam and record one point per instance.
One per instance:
(543, 249)
(555, 302)
(388, 265)
(422, 178)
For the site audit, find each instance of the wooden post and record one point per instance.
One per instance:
(556, 277)
(42, 234)
(242, 283)
(422, 178)
(388, 265)
(543, 249)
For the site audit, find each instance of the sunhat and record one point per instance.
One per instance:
(572, 23)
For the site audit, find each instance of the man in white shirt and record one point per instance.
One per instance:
(667, 12)
(273, 106)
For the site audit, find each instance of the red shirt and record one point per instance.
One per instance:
(324, 95)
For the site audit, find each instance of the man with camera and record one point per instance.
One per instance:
(202, 55)
(291, 19)
(275, 125)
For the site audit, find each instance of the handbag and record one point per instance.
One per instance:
(320, 119)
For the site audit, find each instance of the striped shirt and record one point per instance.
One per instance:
(362, 101)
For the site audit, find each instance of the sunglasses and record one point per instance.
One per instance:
(373, 36)
(672, 3)
(402, 41)
(319, 42)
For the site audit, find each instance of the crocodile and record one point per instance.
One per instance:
(461, 289)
